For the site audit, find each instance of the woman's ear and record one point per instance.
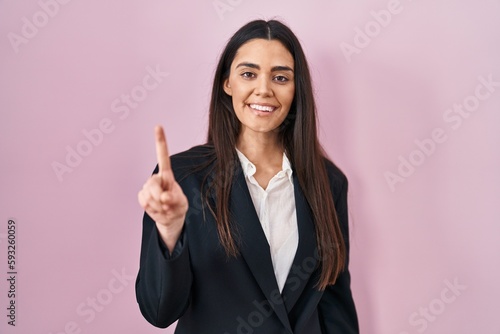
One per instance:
(227, 87)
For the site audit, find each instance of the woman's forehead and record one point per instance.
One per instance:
(264, 52)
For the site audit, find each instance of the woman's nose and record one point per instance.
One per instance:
(263, 87)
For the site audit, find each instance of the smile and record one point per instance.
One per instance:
(259, 107)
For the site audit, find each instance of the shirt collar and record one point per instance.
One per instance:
(249, 168)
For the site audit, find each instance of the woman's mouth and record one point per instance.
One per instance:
(260, 109)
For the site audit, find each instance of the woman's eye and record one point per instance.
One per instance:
(281, 78)
(248, 75)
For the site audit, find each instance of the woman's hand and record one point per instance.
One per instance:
(162, 198)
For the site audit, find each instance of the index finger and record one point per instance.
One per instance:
(162, 150)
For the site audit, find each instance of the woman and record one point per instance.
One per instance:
(248, 233)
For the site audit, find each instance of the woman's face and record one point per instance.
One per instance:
(261, 84)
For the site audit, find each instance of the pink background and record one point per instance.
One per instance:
(76, 232)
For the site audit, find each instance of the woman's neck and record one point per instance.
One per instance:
(265, 152)
(260, 147)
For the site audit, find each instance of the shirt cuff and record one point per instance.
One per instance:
(179, 245)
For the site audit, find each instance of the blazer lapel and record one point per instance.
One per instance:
(305, 261)
(253, 244)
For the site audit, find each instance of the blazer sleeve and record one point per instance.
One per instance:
(336, 307)
(164, 281)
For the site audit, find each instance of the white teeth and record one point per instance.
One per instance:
(262, 108)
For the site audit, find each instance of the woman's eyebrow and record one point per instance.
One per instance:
(274, 69)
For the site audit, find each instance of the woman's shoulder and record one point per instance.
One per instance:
(194, 155)
(194, 160)
(335, 174)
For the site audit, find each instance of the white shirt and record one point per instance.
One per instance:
(275, 208)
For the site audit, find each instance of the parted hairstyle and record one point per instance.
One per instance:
(297, 134)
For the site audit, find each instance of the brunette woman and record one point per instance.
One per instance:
(248, 233)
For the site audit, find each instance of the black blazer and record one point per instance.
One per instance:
(211, 293)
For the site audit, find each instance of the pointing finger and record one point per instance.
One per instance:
(162, 155)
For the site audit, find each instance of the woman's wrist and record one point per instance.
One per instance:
(170, 234)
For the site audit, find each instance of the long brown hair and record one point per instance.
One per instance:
(298, 135)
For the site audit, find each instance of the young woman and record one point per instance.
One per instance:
(249, 233)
